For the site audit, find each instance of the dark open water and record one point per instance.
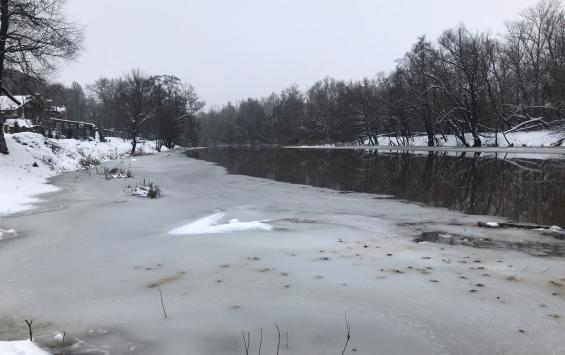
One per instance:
(524, 190)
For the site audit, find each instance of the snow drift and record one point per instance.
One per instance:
(211, 225)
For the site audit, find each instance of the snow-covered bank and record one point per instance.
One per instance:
(514, 139)
(34, 158)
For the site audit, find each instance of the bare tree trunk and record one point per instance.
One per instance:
(3, 145)
(429, 129)
(4, 22)
(133, 145)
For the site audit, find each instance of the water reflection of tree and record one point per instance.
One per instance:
(522, 189)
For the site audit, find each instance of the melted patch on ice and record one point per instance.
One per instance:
(211, 225)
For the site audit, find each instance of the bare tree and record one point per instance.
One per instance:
(103, 92)
(418, 64)
(322, 108)
(136, 104)
(34, 36)
(176, 106)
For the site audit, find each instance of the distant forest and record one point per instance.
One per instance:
(466, 84)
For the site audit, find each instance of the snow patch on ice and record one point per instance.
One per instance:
(7, 233)
(59, 337)
(211, 225)
(24, 347)
(550, 229)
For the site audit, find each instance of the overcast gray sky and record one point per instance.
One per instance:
(234, 49)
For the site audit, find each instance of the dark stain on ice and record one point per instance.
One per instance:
(555, 283)
(532, 248)
(168, 279)
(413, 224)
(297, 220)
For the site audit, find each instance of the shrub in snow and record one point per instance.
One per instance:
(146, 189)
(88, 162)
(117, 173)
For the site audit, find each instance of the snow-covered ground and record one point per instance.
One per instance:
(34, 158)
(97, 266)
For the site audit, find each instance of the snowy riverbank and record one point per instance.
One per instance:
(515, 139)
(533, 139)
(34, 158)
(94, 268)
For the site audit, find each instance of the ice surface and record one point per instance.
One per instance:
(211, 225)
(94, 266)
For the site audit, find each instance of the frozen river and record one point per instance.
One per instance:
(91, 260)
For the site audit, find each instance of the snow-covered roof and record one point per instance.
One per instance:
(22, 122)
(7, 104)
(78, 122)
(61, 109)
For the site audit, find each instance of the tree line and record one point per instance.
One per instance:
(467, 84)
(135, 105)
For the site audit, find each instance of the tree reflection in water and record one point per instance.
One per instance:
(524, 190)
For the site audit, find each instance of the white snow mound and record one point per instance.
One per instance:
(211, 225)
(24, 347)
(7, 233)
